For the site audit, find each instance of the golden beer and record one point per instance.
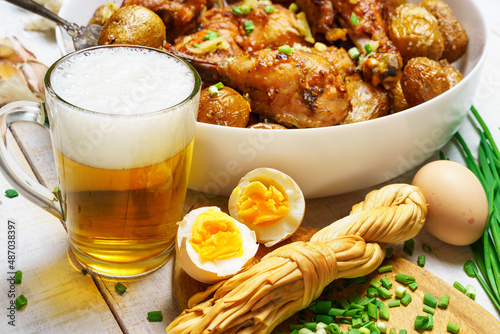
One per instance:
(123, 222)
(122, 124)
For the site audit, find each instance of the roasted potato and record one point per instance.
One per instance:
(455, 36)
(422, 80)
(367, 101)
(103, 13)
(415, 33)
(452, 74)
(227, 107)
(135, 25)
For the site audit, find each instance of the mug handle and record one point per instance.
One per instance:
(12, 171)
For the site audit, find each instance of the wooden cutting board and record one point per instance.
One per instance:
(462, 310)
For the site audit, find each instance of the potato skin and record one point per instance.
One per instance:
(454, 34)
(422, 80)
(134, 25)
(415, 33)
(227, 107)
(452, 74)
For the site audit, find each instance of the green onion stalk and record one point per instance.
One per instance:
(486, 250)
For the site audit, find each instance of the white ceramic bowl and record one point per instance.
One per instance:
(331, 160)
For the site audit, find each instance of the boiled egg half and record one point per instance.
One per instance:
(212, 246)
(270, 203)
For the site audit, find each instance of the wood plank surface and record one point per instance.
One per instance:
(462, 310)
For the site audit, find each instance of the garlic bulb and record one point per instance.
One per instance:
(21, 75)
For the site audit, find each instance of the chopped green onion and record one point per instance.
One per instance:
(219, 85)
(443, 301)
(196, 45)
(452, 328)
(426, 248)
(356, 306)
(356, 322)
(293, 7)
(382, 327)
(384, 293)
(269, 9)
(211, 35)
(10, 193)
(428, 309)
(403, 331)
(383, 311)
(394, 303)
(353, 53)
(155, 316)
(249, 27)
(336, 312)
(321, 306)
(372, 311)
(392, 331)
(459, 287)
(21, 301)
(384, 269)
(371, 292)
(430, 300)
(368, 48)
(409, 246)
(406, 299)
(287, 49)
(400, 292)
(421, 322)
(18, 277)
(120, 288)
(470, 268)
(213, 90)
(310, 325)
(413, 286)
(375, 283)
(388, 252)
(245, 9)
(326, 319)
(421, 260)
(345, 304)
(354, 298)
(236, 10)
(404, 279)
(354, 313)
(364, 330)
(470, 291)
(354, 19)
(359, 280)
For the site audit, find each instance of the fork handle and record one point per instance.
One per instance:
(38, 9)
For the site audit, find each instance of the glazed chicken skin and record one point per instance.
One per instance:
(180, 16)
(367, 101)
(365, 23)
(269, 30)
(301, 89)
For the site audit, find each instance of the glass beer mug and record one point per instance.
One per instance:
(122, 122)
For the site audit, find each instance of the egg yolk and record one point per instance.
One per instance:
(215, 236)
(261, 205)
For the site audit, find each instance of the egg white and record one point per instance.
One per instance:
(279, 231)
(211, 271)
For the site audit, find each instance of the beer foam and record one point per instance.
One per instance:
(126, 89)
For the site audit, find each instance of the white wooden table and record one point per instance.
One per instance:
(62, 300)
